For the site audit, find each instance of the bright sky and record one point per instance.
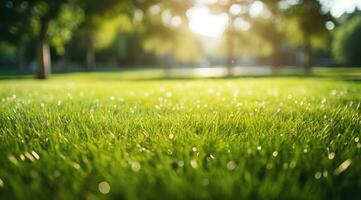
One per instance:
(204, 23)
(338, 7)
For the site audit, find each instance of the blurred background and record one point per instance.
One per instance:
(206, 37)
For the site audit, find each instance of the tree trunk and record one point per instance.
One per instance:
(307, 63)
(275, 58)
(44, 57)
(90, 55)
(230, 48)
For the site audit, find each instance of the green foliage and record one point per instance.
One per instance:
(296, 35)
(180, 43)
(305, 23)
(160, 35)
(247, 44)
(347, 43)
(14, 17)
(7, 52)
(117, 50)
(132, 136)
(61, 29)
(107, 29)
(38, 10)
(103, 21)
(270, 33)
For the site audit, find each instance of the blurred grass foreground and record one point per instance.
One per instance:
(180, 99)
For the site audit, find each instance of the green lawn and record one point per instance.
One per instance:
(136, 135)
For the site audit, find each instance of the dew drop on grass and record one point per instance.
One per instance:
(171, 136)
(29, 156)
(1, 183)
(36, 155)
(259, 148)
(104, 187)
(22, 157)
(275, 154)
(76, 165)
(325, 174)
(194, 149)
(12, 159)
(180, 163)
(269, 166)
(331, 155)
(231, 165)
(135, 166)
(318, 175)
(305, 150)
(120, 99)
(357, 139)
(293, 164)
(342, 167)
(194, 164)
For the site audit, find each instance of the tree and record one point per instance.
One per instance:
(272, 37)
(164, 30)
(347, 43)
(103, 19)
(236, 11)
(54, 21)
(269, 29)
(15, 29)
(306, 27)
(47, 21)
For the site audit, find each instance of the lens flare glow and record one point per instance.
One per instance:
(204, 23)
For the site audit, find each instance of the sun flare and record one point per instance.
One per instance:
(204, 23)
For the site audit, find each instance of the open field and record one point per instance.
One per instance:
(137, 135)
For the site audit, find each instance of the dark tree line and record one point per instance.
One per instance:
(96, 25)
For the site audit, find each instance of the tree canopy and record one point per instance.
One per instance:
(347, 43)
(92, 28)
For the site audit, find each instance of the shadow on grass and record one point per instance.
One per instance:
(341, 74)
(300, 76)
(17, 77)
